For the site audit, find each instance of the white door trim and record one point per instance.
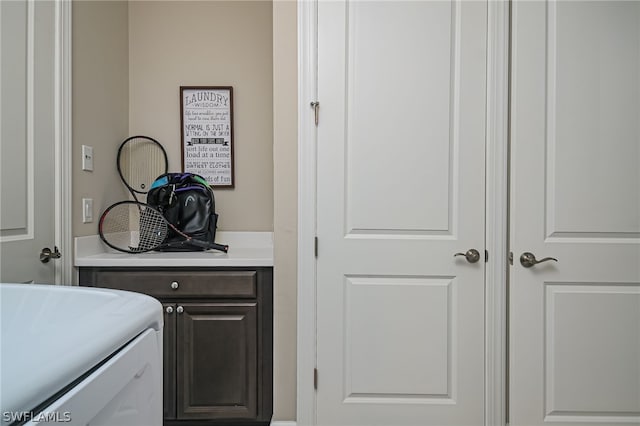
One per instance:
(496, 202)
(496, 212)
(63, 148)
(307, 92)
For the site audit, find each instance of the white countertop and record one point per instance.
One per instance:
(245, 249)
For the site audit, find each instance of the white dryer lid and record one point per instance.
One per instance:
(51, 335)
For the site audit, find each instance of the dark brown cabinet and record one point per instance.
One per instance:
(218, 339)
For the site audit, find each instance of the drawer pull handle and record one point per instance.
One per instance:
(175, 285)
(179, 309)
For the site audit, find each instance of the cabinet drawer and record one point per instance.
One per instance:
(177, 284)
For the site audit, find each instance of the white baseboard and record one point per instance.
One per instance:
(283, 423)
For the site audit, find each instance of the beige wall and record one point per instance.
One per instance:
(209, 43)
(285, 165)
(100, 103)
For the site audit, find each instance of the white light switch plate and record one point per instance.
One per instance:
(87, 210)
(87, 158)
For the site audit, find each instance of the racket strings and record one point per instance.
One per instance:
(141, 160)
(133, 227)
(153, 229)
(116, 227)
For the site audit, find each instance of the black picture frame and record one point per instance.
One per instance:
(206, 133)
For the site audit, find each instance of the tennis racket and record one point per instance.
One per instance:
(140, 161)
(134, 227)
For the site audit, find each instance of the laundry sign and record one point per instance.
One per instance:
(206, 117)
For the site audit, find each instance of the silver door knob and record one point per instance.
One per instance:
(46, 254)
(529, 259)
(169, 310)
(472, 255)
(175, 285)
(179, 309)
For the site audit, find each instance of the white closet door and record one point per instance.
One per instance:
(401, 140)
(575, 323)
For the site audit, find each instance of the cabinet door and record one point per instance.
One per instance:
(217, 360)
(169, 362)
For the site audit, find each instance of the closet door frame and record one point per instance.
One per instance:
(496, 226)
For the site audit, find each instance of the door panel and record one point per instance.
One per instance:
(593, 104)
(606, 311)
(217, 360)
(422, 373)
(575, 196)
(27, 139)
(400, 334)
(398, 122)
(16, 64)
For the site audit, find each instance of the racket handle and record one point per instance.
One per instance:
(222, 247)
(206, 245)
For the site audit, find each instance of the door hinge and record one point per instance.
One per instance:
(510, 258)
(486, 256)
(315, 378)
(315, 246)
(316, 111)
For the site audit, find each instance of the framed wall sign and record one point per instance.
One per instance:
(206, 122)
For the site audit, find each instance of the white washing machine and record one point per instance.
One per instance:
(79, 356)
